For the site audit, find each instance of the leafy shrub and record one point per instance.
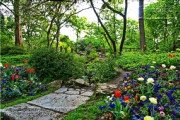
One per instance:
(13, 50)
(56, 65)
(93, 54)
(102, 70)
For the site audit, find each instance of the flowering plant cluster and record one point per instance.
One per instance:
(148, 93)
(16, 81)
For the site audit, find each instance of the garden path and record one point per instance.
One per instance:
(56, 105)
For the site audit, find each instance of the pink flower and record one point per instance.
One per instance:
(162, 114)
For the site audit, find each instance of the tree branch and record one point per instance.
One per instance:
(106, 31)
(115, 11)
(74, 14)
(6, 7)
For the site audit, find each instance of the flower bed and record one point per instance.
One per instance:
(148, 93)
(17, 81)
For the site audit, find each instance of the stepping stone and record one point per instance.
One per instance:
(70, 89)
(72, 92)
(112, 86)
(61, 90)
(25, 111)
(88, 93)
(60, 102)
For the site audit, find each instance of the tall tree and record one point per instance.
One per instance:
(106, 4)
(141, 25)
(17, 19)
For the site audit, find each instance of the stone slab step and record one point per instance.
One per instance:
(60, 102)
(25, 111)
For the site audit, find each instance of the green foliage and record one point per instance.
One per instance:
(93, 54)
(86, 111)
(14, 59)
(102, 70)
(50, 64)
(162, 25)
(13, 50)
(131, 60)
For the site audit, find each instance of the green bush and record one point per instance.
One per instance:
(102, 70)
(13, 50)
(50, 64)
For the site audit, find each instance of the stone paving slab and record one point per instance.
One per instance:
(60, 102)
(25, 111)
(87, 93)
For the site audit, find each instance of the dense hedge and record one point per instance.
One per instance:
(13, 50)
(50, 64)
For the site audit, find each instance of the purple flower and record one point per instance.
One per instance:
(161, 108)
(174, 114)
(166, 105)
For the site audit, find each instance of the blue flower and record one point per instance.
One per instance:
(112, 105)
(102, 107)
(4, 81)
(43, 87)
(32, 93)
(134, 118)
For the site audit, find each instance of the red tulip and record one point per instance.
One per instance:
(12, 77)
(30, 70)
(16, 77)
(6, 65)
(126, 99)
(117, 93)
(25, 61)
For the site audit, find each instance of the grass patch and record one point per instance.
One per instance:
(27, 98)
(87, 111)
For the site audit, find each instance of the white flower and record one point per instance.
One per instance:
(163, 65)
(150, 80)
(154, 62)
(140, 79)
(108, 97)
(172, 67)
(143, 98)
(152, 67)
(153, 100)
(148, 118)
(1, 65)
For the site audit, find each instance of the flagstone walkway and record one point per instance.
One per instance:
(56, 105)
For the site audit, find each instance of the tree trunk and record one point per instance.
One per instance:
(141, 25)
(1, 21)
(57, 36)
(124, 28)
(18, 29)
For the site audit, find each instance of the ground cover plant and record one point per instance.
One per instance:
(14, 59)
(18, 81)
(131, 60)
(148, 93)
